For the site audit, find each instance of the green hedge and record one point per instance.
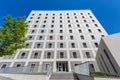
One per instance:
(99, 74)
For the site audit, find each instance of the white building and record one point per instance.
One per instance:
(108, 55)
(58, 40)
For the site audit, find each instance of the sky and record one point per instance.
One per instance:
(106, 11)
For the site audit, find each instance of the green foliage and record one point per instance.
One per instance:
(12, 35)
(99, 74)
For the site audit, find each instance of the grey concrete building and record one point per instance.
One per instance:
(58, 41)
(108, 54)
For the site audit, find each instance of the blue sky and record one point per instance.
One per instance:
(106, 11)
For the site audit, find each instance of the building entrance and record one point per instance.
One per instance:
(62, 66)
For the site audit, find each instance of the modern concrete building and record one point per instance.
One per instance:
(108, 54)
(58, 41)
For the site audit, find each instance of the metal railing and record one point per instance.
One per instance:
(27, 69)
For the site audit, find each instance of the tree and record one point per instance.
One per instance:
(12, 35)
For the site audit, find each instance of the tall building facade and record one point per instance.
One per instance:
(59, 40)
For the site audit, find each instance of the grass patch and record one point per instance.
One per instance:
(37, 73)
(99, 74)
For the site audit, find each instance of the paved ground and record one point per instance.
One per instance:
(4, 78)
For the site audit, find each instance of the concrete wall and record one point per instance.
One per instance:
(106, 79)
(108, 55)
(25, 77)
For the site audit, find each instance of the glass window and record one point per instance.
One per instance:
(84, 45)
(49, 55)
(88, 55)
(73, 45)
(61, 55)
(74, 55)
(61, 45)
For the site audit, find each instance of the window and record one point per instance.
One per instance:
(60, 21)
(46, 14)
(40, 37)
(99, 30)
(61, 45)
(68, 17)
(90, 16)
(51, 31)
(84, 45)
(61, 55)
(60, 17)
(92, 69)
(73, 45)
(30, 37)
(48, 54)
(29, 21)
(96, 44)
(74, 13)
(45, 17)
(43, 26)
(76, 21)
(52, 26)
(83, 17)
(18, 65)
(89, 30)
(32, 65)
(102, 35)
(33, 14)
(92, 36)
(85, 20)
(88, 55)
(31, 17)
(38, 45)
(70, 31)
(47, 66)
(71, 37)
(61, 26)
(78, 25)
(51, 37)
(35, 26)
(45, 21)
(74, 55)
(35, 54)
(33, 31)
(82, 37)
(42, 31)
(75, 17)
(93, 20)
(80, 31)
(53, 21)
(3, 66)
(69, 25)
(81, 13)
(61, 31)
(96, 25)
(38, 17)
(61, 37)
(37, 21)
(60, 14)
(27, 45)
(67, 14)
(68, 21)
(40, 14)
(50, 45)
(22, 55)
(87, 25)
(88, 13)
